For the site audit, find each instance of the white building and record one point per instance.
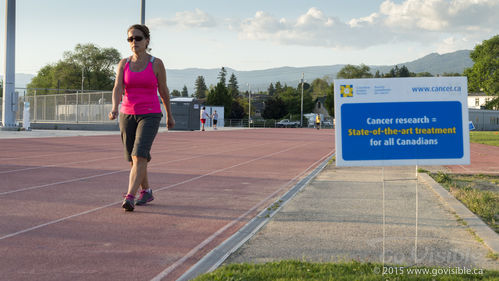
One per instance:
(477, 100)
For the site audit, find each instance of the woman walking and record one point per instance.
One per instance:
(139, 78)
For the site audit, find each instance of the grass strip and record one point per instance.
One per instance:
(483, 203)
(292, 270)
(485, 137)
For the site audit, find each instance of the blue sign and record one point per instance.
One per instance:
(402, 130)
(401, 121)
(472, 127)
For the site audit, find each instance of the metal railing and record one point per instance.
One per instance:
(243, 123)
(51, 106)
(86, 107)
(262, 123)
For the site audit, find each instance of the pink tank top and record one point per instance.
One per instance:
(141, 91)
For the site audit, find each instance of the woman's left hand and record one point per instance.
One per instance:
(113, 114)
(170, 122)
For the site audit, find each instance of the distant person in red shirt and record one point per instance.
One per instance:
(139, 78)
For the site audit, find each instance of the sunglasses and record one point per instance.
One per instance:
(136, 38)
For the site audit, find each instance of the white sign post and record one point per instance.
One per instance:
(402, 121)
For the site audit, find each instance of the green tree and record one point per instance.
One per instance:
(292, 100)
(67, 74)
(271, 90)
(424, 74)
(184, 92)
(404, 72)
(62, 75)
(306, 87)
(449, 74)
(222, 76)
(394, 72)
(320, 88)
(96, 64)
(237, 110)
(219, 96)
(274, 109)
(201, 89)
(329, 102)
(176, 93)
(484, 74)
(351, 71)
(44, 78)
(243, 102)
(233, 87)
(1, 88)
(278, 88)
(493, 104)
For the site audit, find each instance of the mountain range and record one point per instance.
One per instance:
(259, 80)
(22, 79)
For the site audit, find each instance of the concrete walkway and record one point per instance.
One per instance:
(339, 216)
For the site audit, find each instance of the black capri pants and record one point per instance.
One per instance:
(138, 133)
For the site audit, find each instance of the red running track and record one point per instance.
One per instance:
(484, 159)
(61, 215)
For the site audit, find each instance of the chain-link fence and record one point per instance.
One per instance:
(269, 123)
(77, 107)
(47, 106)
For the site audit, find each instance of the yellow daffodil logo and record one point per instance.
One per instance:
(346, 91)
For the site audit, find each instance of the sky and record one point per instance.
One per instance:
(253, 35)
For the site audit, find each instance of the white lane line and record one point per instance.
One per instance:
(58, 220)
(65, 164)
(100, 147)
(231, 167)
(52, 154)
(60, 182)
(159, 189)
(40, 156)
(110, 173)
(201, 245)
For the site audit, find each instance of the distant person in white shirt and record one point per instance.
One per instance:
(215, 119)
(203, 116)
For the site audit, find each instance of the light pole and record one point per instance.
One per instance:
(249, 105)
(9, 79)
(77, 96)
(82, 78)
(301, 116)
(142, 11)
